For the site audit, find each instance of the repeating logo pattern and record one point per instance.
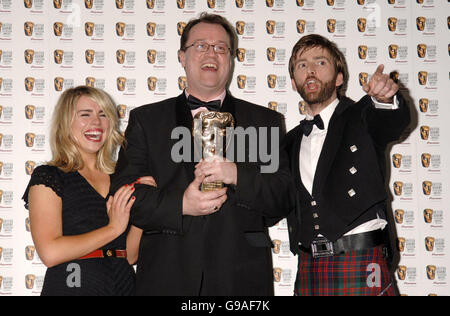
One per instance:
(129, 48)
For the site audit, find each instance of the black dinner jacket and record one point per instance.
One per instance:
(352, 158)
(226, 253)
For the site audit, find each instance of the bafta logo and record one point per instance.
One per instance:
(426, 187)
(180, 27)
(29, 252)
(58, 56)
(88, 4)
(362, 51)
(392, 24)
(331, 25)
(271, 53)
(240, 54)
(401, 273)
(429, 243)
(399, 216)
(29, 84)
(240, 27)
(121, 111)
(29, 111)
(182, 83)
(119, 4)
(28, 27)
(29, 139)
(272, 81)
(421, 50)
(393, 49)
(89, 28)
(270, 27)
(59, 84)
(181, 4)
(420, 23)
(121, 83)
(28, 4)
(29, 56)
(58, 28)
(425, 158)
(211, 4)
(29, 167)
(89, 56)
(211, 139)
(273, 105)
(151, 56)
(90, 82)
(362, 23)
(428, 215)
(151, 29)
(401, 242)
(424, 132)
(423, 77)
(241, 81)
(398, 188)
(120, 56)
(276, 246)
(277, 274)
(397, 160)
(57, 4)
(363, 78)
(29, 278)
(151, 83)
(431, 272)
(120, 29)
(301, 26)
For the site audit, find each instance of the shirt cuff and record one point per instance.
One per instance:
(386, 106)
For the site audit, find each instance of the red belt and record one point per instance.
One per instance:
(106, 253)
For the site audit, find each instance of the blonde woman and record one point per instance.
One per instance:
(80, 232)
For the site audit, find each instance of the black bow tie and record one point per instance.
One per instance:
(195, 103)
(307, 125)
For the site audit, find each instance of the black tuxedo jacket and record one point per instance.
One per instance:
(349, 184)
(226, 253)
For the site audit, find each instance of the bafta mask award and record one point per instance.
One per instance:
(211, 139)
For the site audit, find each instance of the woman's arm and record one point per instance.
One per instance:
(133, 241)
(45, 208)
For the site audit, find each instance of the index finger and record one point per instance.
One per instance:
(380, 69)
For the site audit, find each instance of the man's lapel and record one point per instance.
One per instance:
(331, 145)
(229, 106)
(184, 119)
(295, 156)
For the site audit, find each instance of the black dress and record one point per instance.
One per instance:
(83, 210)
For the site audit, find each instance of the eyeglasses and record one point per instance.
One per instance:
(203, 47)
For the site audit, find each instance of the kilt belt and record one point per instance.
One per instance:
(322, 247)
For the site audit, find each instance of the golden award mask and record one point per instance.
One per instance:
(210, 137)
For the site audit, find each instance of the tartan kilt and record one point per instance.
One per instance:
(355, 273)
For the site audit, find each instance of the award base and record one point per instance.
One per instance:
(211, 186)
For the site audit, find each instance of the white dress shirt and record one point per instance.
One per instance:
(310, 150)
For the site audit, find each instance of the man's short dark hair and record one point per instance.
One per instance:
(211, 19)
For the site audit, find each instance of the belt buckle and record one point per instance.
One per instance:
(108, 253)
(322, 248)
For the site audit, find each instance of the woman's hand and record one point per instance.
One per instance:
(148, 180)
(118, 208)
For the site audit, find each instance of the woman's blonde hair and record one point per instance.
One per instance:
(65, 153)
